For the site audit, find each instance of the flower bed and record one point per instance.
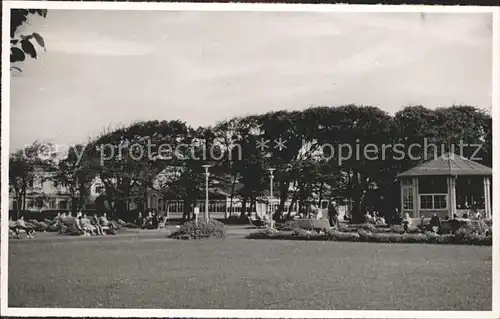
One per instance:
(462, 237)
(200, 230)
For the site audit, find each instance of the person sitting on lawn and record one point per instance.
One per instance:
(81, 226)
(407, 222)
(333, 215)
(139, 220)
(94, 221)
(57, 218)
(161, 221)
(21, 224)
(59, 222)
(87, 226)
(379, 220)
(422, 226)
(73, 225)
(368, 218)
(435, 223)
(104, 222)
(13, 229)
(154, 221)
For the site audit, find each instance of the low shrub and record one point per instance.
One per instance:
(131, 225)
(301, 232)
(288, 225)
(39, 226)
(343, 228)
(368, 227)
(72, 230)
(342, 236)
(200, 230)
(463, 237)
(263, 234)
(468, 237)
(397, 229)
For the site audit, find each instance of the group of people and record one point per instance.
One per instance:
(435, 222)
(150, 221)
(374, 218)
(81, 224)
(89, 226)
(15, 228)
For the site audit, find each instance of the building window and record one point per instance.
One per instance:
(434, 201)
(63, 204)
(440, 202)
(408, 198)
(99, 189)
(426, 202)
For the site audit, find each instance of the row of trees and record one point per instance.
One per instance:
(304, 164)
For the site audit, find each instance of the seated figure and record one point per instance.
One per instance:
(407, 222)
(435, 223)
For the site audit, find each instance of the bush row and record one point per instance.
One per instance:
(462, 237)
(201, 230)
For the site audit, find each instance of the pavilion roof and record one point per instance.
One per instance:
(448, 164)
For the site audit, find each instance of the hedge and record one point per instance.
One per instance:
(200, 230)
(462, 237)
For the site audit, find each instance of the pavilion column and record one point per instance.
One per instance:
(401, 199)
(452, 196)
(416, 201)
(487, 197)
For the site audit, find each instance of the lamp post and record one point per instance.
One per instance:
(207, 174)
(271, 177)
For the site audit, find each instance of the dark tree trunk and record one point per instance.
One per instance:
(232, 196)
(253, 207)
(244, 207)
(321, 189)
(284, 186)
(24, 200)
(292, 203)
(357, 213)
(186, 214)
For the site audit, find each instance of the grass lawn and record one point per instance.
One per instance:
(149, 271)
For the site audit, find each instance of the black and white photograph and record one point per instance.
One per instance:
(249, 160)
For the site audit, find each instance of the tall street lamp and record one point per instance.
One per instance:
(271, 177)
(207, 174)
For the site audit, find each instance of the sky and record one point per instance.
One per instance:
(108, 68)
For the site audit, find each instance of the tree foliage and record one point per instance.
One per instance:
(21, 45)
(323, 156)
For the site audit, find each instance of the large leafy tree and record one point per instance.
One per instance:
(127, 160)
(25, 166)
(75, 174)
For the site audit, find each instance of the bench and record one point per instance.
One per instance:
(313, 224)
